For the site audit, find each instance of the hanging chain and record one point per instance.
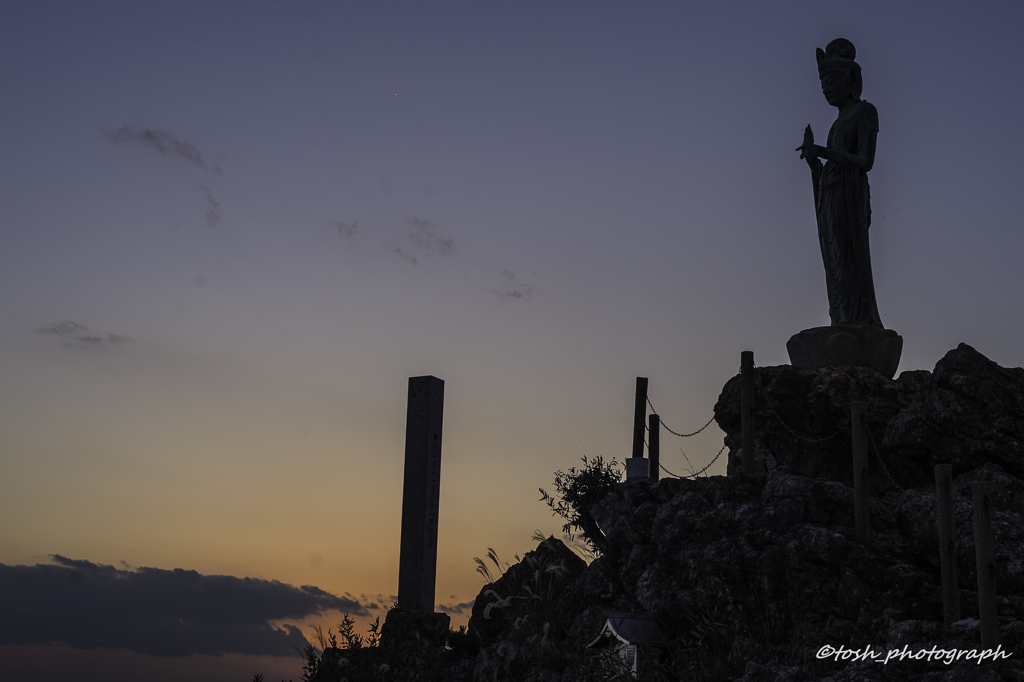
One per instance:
(878, 456)
(694, 475)
(760, 389)
(763, 393)
(681, 435)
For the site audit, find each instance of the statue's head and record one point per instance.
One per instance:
(839, 73)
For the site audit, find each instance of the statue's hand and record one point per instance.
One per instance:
(808, 150)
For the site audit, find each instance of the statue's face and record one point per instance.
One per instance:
(837, 87)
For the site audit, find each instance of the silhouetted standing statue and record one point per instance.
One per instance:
(842, 199)
(842, 202)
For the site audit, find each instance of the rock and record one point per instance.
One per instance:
(543, 571)
(969, 413)
(598, 582)
(404, 628)
(770, 672)
(748, 582)
(802, 418)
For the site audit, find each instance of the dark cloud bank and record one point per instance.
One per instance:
(155, 611)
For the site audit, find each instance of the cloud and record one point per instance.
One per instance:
(346, 230)
(155, 611)
(161, 141)
(212, 207)
(406, 255)
(425, 239)
(77, 335)
(457, 609)
(510, 287)
(65, 328)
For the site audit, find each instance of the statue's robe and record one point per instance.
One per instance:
(844, 216)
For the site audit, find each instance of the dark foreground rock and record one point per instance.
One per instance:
(749, 580)
(967, 412)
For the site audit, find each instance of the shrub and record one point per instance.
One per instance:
(578, 490)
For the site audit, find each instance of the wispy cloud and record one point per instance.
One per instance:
(408, 257)
(212, 207)
(156, 611)
(65, 329)
(422, 240)
(346, 230)
(165, 143)
(75, 335)
(162, 142)
(509, 286)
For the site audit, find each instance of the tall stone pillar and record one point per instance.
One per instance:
(417, 569)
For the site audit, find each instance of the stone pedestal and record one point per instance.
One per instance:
(847, 344)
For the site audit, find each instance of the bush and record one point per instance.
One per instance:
(578, 491)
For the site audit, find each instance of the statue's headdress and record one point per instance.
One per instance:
(839, 54)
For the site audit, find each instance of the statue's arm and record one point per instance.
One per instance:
(863, 159)
(867, 133)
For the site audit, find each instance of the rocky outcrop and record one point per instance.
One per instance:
(538, 576)
(748, 582)
(749, 578)
(967, 412)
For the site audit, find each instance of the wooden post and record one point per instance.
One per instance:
(654, 444)
(639, 416)
(747, 411)
(984, 554)
(861, 504)
(947, 544)
(417, 567)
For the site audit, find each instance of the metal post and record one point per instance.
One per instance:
(654, 444)
(861, 508)
(984, 553)
(639, 416)
(947, 544)
(747, 411)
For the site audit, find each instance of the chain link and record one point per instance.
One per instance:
(760, 389)
(681, 435)
(694, 475)
(871, 438)
(878, 456)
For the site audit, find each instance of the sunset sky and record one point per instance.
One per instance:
(230, 232)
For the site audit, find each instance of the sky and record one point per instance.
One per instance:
(232, 231)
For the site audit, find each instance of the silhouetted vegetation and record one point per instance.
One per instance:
(528, 609)
(578, 490)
